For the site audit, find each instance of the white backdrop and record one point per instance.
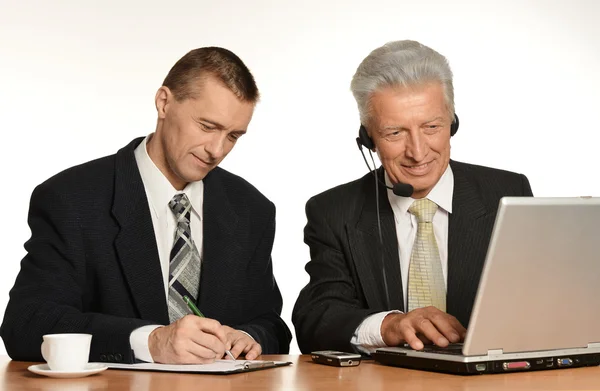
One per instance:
(78, 77)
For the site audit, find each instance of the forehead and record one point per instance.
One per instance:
(214, 101)
(407, 102)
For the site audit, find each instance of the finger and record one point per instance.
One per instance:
(211, 326)
(458, 327)
(238, 347)
(410, 337)
(210, 342)
(199, 354)
(446, 327)
(253, 350)
(425, 327)
(231, 336)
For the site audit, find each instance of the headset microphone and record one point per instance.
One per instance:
(399, 189)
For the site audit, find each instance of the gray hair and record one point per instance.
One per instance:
(400, 63)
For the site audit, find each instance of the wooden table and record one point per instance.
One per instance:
(301, 375)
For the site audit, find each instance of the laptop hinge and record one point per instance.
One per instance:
(494, 352)
(593, 345)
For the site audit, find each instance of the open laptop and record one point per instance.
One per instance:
(538, 301)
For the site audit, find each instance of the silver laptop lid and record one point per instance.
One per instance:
(540, 287)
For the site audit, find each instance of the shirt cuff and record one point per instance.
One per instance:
(138, 339)
(367, 336)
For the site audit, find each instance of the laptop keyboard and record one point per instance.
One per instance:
(453, 349)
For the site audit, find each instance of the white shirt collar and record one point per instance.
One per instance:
(160, 191)
(441, 193)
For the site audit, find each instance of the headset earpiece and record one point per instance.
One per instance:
(454, 126)
(364, 139)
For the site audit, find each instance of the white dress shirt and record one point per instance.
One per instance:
(367, 336)
(159, 192)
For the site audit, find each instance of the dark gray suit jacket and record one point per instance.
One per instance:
(92, 263)
(346, 279)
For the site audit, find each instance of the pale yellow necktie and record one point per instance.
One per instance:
(426, 285)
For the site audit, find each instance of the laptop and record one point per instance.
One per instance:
(538, 301)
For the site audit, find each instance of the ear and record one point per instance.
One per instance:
(374, 149)
(162, 101)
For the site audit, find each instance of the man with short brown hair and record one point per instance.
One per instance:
(120, 244)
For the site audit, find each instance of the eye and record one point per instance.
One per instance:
(206, 127)
(394, 135)
(432, 128)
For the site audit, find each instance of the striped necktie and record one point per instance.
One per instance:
(184, 266)
(426, 286)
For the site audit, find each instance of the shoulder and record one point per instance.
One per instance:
(90, 177)
(346, 197)
(483, 171)
(97, 175)
(491, 180)
(238, 189)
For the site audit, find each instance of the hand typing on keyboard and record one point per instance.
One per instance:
(422, 326)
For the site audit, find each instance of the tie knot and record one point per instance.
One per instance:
(180, 205)
(423, 209)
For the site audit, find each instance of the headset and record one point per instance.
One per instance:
(400, 189)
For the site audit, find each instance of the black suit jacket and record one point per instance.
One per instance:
(346, 279)
(92, 262)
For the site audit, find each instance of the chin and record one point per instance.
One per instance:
(421, 186)
(198, 176)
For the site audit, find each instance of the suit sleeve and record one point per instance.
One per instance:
(48, 294)
(266, 327)
(526, 186)
(328, 310)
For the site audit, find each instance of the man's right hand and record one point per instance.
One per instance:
(423, 325)
(190, 340)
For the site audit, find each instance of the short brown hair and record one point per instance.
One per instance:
(214, 61)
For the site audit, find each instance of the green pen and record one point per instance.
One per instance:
(193, 307)
(197, 312)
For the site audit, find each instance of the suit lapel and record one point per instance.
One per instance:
(366, 249)
(136, 242)
(220, 246)
(468, 237)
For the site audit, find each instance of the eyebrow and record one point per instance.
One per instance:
(435, 119)
(219, 126)
(395, 127)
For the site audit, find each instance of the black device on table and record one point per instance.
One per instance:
(336, 358)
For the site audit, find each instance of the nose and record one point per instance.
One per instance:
(416, 146)
(216, 146)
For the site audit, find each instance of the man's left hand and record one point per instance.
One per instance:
(242, 343)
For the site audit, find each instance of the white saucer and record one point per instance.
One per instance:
(90, 369)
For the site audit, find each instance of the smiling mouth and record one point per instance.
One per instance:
(417, 167)
(203, 161)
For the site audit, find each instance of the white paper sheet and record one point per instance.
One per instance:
(219, 366)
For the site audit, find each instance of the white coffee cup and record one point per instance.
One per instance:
(66, 352)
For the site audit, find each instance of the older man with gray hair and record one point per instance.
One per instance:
(389, 268)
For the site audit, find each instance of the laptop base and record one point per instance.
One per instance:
(486, 367)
